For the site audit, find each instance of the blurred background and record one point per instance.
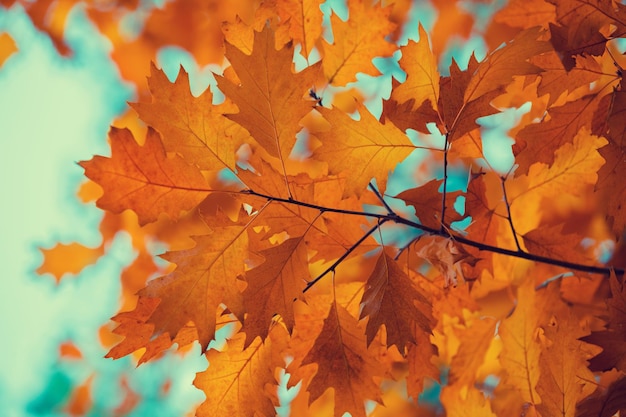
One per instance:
(67, 70)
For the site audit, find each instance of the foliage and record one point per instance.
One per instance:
(287, 224)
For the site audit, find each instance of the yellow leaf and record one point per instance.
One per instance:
(422, 81)
(356, 42)
(365, 149)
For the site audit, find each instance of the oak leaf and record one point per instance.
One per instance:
(273, 287)
(366, 148)
(538, 142)
(343, 363)
(582, 25)
(426, 199)
(241, 382)
(520, 346)
(422, 80)
(565, 378)
(391, 298)
(356, 42)
(605, 402)
(192, 126)
(613, 339)
(271, 97)
(144, 179)
(205, 277)
(304, 19)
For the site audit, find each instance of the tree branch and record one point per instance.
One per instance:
(382, 218)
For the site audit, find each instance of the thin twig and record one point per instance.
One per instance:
(345, 255)
(508, 214)
(461, 239)
(382, 200)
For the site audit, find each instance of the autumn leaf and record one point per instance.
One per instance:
(427, 202)
(538, 142)
(356, 42)
(475, 341)
(422, 81)
(343, 363)
(606, 402)
(371, 146)
(565, 378)
(241, 381)
(595, 16)
(144, 179)
(205, 277)
(391, 298)
(192, 126)
(267, 80)
(612, 339)
(68, 259)
(510, 60)
(273, 287)
(520, 346)
(304, 19)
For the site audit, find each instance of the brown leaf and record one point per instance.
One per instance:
(343, 363)
(273, 287)
(391, 298)
(427, 202)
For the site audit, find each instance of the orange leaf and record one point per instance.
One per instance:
(144, 179)
(499, 67)
(7, 47)
(366, 148)
(68, 259)
(273, 287)
(427, 202)
(390, 298)
(565, 378)
(304, 18)
(520, 346)
(205, 277)
(343, 363)
(271, 97)
(192, 126)
(422, 81)
(356, 42)
(241, 382)
(613, 339)
(475, 341)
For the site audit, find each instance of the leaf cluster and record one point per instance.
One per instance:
(290, 230)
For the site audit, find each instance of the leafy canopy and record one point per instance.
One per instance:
(333, 241)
